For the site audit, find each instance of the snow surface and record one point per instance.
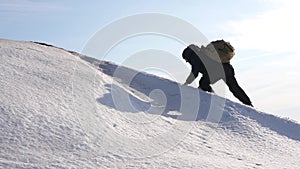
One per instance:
(59, 109)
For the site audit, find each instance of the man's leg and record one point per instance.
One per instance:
(237, 91)
(204, 84)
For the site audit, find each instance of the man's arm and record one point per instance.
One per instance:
(193, 75)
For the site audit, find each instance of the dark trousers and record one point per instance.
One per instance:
(231, 82)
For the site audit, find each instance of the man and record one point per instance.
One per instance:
(212, 71)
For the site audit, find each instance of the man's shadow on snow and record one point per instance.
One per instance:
(123, 100)
(132, 103)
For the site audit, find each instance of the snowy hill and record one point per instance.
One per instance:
(59, 109)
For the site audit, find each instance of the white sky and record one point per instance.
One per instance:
(274, 74)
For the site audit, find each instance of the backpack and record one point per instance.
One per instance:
(219, 48)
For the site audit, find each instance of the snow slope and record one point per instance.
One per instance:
(59, 109)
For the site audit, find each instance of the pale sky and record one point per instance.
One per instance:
(272, 72)
(265, 34)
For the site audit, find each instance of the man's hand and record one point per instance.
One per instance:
(185, 84)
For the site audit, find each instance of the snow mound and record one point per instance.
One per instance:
(60, 109)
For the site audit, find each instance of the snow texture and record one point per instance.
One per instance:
(59, 109)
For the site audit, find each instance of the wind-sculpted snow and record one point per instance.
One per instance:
(60, 109)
